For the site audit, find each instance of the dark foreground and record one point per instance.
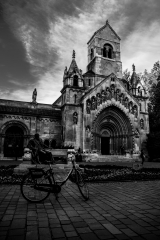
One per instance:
(116, 210)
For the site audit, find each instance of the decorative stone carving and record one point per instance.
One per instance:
(126, 102)
(93, 103)
(117, 94)
(121, 98)
(135, 111)
(75, 117)
(136, 133)
(112, 91)
(87, 128)
(108, 94)
(88, 106)
(103, 94)
(130, 105)
(142, 123)
(99, 99)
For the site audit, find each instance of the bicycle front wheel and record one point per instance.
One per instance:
(82, 186)
(28, 188)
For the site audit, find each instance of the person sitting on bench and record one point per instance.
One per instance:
(39, 152)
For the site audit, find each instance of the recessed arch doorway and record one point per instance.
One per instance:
(112, 130)
(13, 142)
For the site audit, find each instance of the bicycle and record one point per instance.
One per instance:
(38, 183)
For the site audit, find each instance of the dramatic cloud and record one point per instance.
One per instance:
(42, 34)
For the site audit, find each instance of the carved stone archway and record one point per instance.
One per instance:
(13, 137)
(113, 128)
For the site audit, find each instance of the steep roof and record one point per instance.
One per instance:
(73, 67)
(107, 24)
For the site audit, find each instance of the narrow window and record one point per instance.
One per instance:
(75, 81)
(75, 98)
(92, 53)
(89, 82)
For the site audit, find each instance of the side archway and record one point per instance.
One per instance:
(14, 136)
(112, 131)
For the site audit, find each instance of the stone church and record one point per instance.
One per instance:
(97, 111)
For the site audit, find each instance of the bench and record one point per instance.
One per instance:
(60, 154)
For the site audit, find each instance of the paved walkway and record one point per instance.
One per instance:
(125, 210)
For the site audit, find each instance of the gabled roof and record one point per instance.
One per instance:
(99, 84)
(107, 24)
(90, 73)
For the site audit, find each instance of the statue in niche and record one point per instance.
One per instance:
(88, 133)
(142, 124)
(99, 100)
(75, 118)
(112, 92)
(117, 94)
(108, 95)
(135, 112)
(103, 94)
(121, 98)
(136, 133)
(93, 102)
(126, 102)
(88, 107)
(130, 105)
(88, 130)
(34, 95)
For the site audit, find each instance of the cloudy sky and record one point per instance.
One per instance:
(37, 38)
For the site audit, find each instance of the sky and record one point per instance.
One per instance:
(37, 38)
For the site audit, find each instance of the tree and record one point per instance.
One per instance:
(126, 75)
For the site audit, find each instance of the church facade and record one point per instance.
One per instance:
(97, 111)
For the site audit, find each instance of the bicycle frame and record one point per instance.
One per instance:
(61, 183)
(44, 181)
(50, 173)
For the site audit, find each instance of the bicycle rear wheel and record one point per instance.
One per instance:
(28, 188)
(82, 186)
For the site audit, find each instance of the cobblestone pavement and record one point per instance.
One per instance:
(125, 210)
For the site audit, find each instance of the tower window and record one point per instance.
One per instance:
(75, 98)
(92, 53)
(75, 81)
(108, 51)
(89, 82)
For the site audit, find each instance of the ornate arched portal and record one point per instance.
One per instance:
(14, 137)
(111, 131)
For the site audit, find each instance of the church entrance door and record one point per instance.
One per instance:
(13, 143)
(105, 145)
(111, 130)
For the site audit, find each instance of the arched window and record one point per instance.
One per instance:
(75, 98)
(92, 53)
(75, 81)
(75, 117)
(108, 51)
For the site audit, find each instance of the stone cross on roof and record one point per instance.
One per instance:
(74, 54)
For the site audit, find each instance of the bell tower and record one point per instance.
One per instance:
(104, 52)
(72, 92)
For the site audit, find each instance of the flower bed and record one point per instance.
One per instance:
(7, 175)
(118, 173)
(99, 173)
